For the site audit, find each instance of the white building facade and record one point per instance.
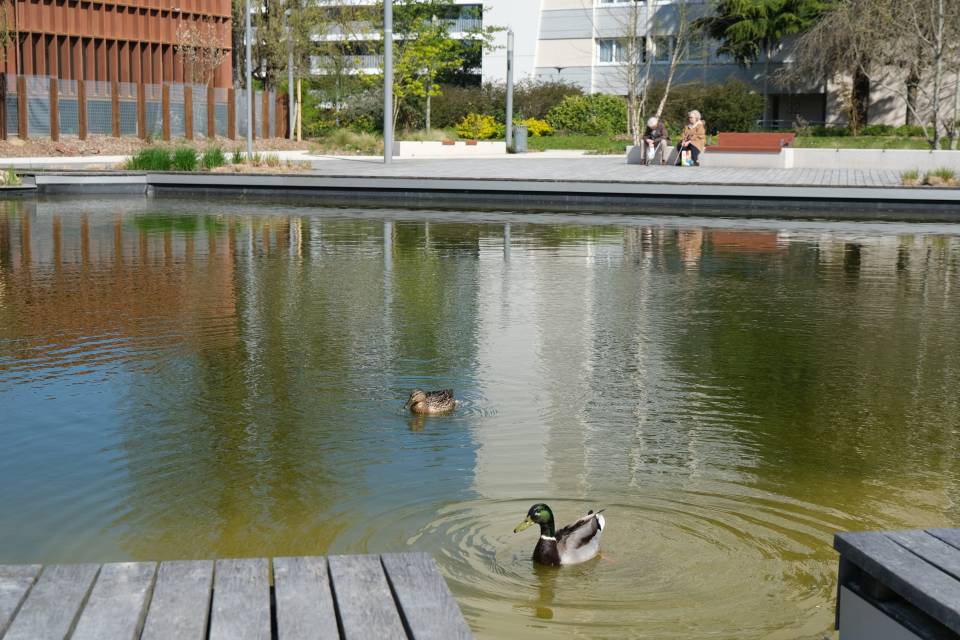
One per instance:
(580, 42)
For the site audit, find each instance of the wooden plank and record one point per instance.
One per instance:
(917, 581)
(950, 536)
(54, 101)
(304, 602)
(241, 600)
(188, 112)
(231, 114)
(364, 600)
(81, 109)
(115, 107)
(426, 603)
(932, 549)
(165, 109)
(142, 110)
(52, 607)
(117, 603)
(22, 132)
(15, 583)
(180, 606)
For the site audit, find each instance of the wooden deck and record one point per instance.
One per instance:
(388, 597)
(911, 577)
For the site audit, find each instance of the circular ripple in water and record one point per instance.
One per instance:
(674, 565)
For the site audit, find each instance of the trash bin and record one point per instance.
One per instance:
(519, 138)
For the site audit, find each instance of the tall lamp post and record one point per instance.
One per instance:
(387, 81)
(509, 89)
(250, 123)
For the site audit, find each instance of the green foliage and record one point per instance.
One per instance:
(747, 28)
(729, 106)
(596, 114)
(910, 177)
(943, 174)
(151, 159)
(860, 142)
(11, 179)
(212, 158)
(272, 160)
(594, 145)
(477, 126)
(910, 130)
(535, 127)
(185, 159)
(347, 142)
(878, 130)
(238, 155)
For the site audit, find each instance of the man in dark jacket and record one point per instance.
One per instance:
(655, 140)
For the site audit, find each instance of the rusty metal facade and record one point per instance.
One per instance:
(103, 41)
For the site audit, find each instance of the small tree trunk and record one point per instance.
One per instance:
(766, 86)
(913, 87)
(938, 50)
(955, 128)
(428, 112)
(299, 109)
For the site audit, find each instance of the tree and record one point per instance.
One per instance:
(201, 45)
(424, 48)
(751, 29)
(904, 47)
(636, 48)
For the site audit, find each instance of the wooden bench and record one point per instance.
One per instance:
(902, 585)
(751, 142)
(399, 596)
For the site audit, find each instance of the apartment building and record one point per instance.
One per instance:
(106, 40)
(582, 42)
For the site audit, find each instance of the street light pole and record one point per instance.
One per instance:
(250, 123)
(286, 24)
(387, 81)
(509, 89)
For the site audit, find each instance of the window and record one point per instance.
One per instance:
(611, 51)
(617, 1)
(662, 48)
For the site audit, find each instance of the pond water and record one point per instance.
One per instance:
(184, 380)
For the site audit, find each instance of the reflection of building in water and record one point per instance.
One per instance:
(76, 276)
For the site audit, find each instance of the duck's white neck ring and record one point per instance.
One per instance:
(543, 537)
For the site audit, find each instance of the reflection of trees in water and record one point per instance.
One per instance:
(833, 377)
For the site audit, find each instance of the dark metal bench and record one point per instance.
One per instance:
(751, 142)
(899, 584)
(398, 596)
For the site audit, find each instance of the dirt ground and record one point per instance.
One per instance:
(109, 146)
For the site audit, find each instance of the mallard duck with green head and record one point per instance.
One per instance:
(431, 401)
(575, 543)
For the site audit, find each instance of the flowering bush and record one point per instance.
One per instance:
(475, 126)
(536, 128)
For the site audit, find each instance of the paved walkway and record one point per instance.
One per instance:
(597, 169)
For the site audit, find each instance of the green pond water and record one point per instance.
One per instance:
(189, 380)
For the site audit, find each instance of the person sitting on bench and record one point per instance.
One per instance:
(655, 139)
(693, 141)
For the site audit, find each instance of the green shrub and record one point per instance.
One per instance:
(878, 130)
(239, 155)
(272, 160)
(185, 159)
(910, 177)
(213, 158)
(151, 159)
(476, 126)
(535, 127)
(596, 114)
(256, 159)
(11, 179)
(909, 131)
(941, 176)
(731, 106)
(823, 131)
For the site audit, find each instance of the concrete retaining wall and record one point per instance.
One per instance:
(436, 149)
(790, 158)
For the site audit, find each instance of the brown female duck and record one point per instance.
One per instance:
(431, 401)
